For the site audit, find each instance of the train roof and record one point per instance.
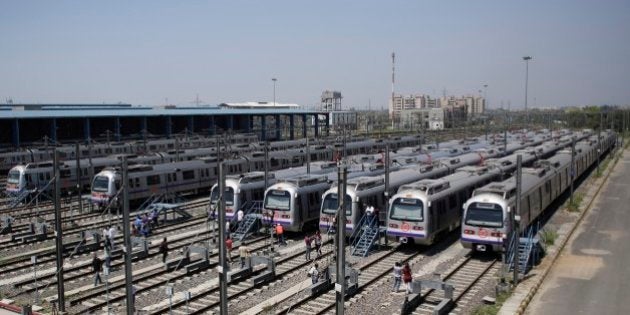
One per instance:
(305, 180)
(250, 177)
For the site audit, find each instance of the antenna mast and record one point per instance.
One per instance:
(393, 80)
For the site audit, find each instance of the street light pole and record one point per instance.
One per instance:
(527, 59)
(485, 98)
(274, 90)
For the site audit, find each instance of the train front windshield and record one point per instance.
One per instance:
(278, 199)
(14, 177)
(228, 195)
(330, 204)
(407, 209)
(484, 215)
(101, 183)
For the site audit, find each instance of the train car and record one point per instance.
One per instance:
(294, 202)
(370, 191)
(38, 175)
(485, 223)
(33, 155)
(160, 179)
(305, 198)
(422, 211)
(243, 188)
(240, 189)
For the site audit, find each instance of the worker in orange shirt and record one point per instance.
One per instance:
(280, 234)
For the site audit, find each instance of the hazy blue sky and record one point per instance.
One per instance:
(145, 51)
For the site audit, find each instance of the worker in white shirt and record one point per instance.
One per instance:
(239, 215)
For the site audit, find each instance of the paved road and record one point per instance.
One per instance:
(592, 276)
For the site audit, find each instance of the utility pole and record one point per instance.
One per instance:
(177, 148)
(90, 166)
(223, 268)
(515, 216)
(505, 128)
(485, 127)
(266, 164)
(59, 235)
(572, 169)
(127, 235)
(308, 159)
(599, 135)
(78, 170)
(386, 171)
(340, 285)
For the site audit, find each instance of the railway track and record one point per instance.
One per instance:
(84, 269)
(208, 300)
(156, 278)
(467, 273)
(369, 274)
(47, 256)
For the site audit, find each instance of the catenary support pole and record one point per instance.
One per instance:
(340, 285)
(127, 235)
(515, 214)
(266, 164)
(572, 170)
(599, 140)
(223, 268)
(386, 162)
(78, 170)
(308, 158)
(59, 235)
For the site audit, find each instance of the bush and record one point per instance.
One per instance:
(494, 308)
(577, 201)
(268, 309)
(549, 236)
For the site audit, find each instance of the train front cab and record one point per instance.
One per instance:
(231, 200)
(330, 204)
(406, 220)
(484, 223)
(277, 206)
(15, 180)
(103, 189)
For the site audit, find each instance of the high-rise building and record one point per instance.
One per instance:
(331, 101)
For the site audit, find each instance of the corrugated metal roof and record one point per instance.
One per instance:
(144, 112)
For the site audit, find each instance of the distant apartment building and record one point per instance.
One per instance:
(404, 108)
(474, 105)
(426, 119)
(337, 118)
(410, 102)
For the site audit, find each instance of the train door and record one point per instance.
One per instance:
(313, 203)
(453, 207)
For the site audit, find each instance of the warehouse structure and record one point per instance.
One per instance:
(24, 124)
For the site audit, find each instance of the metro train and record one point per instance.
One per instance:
(301, 195)
(34, 155)
(302, 199)
(420, 212)
(250, 186)
(486, 224)
(37, 175)
(164, 178)
(369, 190)
(361, 192)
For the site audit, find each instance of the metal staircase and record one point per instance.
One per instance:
(527, 249)
(164, 204)
(365, 235)
(18, 197)
(252, 215)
